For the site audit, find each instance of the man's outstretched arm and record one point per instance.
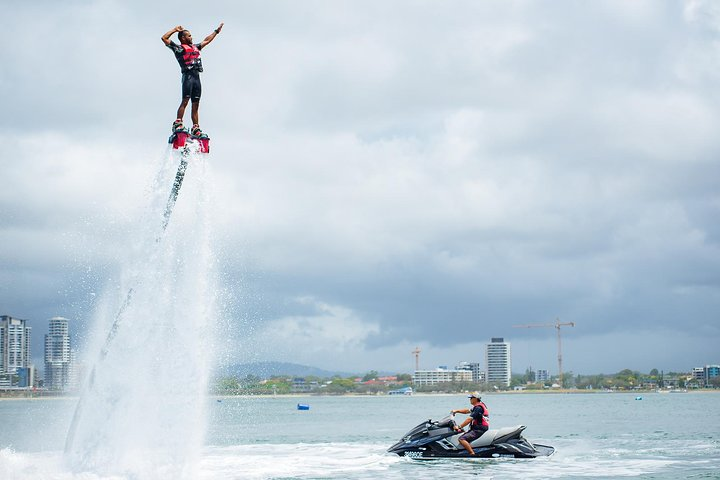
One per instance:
(166, 37)
(212, 36)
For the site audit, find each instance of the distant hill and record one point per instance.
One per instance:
(269, 369)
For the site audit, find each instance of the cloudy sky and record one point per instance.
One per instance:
(386, 174)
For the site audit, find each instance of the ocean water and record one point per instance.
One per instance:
(663, 436)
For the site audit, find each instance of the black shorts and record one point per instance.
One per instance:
(472, 435)
(191, 87)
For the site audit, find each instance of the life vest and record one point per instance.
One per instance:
(485, 418)
(190, 55)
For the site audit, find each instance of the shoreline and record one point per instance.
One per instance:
(454, 394)
(383, 395)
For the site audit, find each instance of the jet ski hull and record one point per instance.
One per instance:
(431, 440)
(508, 450)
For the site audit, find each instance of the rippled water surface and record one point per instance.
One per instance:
(596, 435)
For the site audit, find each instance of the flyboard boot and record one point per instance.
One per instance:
(201, 137)
(197, 133)
(181, 137)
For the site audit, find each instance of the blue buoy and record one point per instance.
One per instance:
(303, 406)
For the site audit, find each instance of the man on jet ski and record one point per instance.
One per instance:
(478, 421)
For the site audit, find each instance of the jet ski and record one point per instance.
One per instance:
(439, 439)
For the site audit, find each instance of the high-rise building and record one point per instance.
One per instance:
(14, 345)
(498, 362)
(75, 372)
(58, 361)
(542, 375)
(474, 367)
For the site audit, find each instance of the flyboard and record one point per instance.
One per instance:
(187, 145)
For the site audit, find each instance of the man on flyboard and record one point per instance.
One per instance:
(188, 56)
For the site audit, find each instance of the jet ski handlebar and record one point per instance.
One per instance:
(452, 417)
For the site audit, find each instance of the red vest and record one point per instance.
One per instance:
(191, 54)
(484, 422)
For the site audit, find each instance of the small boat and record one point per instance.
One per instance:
(401, 391)
(303, 406)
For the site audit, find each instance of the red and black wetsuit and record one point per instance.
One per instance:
(188, 56)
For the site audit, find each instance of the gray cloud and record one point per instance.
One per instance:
(415, 167)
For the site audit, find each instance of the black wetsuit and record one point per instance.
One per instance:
(191, 86)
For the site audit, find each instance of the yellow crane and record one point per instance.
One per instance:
(416, 352)
(556, 326)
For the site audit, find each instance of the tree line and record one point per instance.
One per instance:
(369, 384)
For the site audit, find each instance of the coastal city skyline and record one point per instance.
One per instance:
(60, 367)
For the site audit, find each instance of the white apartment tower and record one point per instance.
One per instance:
(498, 365)
(58, 361)
(14, 345)
(440, 375)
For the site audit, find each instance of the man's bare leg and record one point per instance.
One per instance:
(181, 108)
(194, 111)
(467, 446)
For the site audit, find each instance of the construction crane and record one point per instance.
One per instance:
(556, 326)
(416, 352)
